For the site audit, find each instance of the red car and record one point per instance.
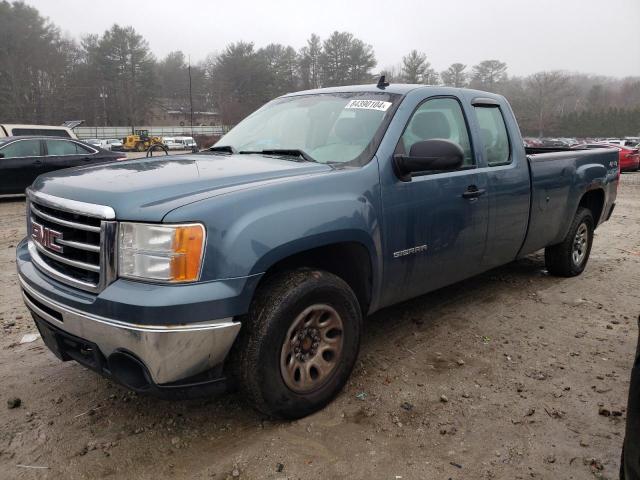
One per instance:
(629, 157)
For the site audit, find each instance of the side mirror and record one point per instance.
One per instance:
(1, 155)
(428, 155)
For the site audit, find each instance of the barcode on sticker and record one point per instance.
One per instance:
(369, 105)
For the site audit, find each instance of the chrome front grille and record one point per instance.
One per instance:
(73, 242)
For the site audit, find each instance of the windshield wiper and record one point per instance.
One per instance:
(288, 152)
(223, 149)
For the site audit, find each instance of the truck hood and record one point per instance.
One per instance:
(147, 189)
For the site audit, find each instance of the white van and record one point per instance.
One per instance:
(16, 130)
(186, 143)
(171, 144)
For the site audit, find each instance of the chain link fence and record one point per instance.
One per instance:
(171, 131)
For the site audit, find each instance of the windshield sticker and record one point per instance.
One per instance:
(369, 105)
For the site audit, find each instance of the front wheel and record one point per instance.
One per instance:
(299, 342)
(569, 258)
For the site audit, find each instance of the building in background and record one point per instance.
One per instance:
(168, 112)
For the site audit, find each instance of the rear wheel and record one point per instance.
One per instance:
(569, 258)
(299, 342)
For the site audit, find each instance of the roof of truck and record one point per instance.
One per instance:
(394, 88)
(398, 88)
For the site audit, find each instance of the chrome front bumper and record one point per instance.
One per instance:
(169, 352)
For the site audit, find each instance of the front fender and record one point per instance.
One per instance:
(250, 230)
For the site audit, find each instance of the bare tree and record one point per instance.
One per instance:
(393, 73)
(546, 91)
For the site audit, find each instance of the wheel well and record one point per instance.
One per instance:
(348, 260)
(594, 201)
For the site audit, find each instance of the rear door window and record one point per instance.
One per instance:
(22, 148)
(494, 136)
(62, 147)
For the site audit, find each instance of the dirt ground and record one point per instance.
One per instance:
(501, 376)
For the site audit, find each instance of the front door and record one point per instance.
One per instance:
(436, 224)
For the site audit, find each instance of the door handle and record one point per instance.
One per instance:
(38, 162)
(473, 192)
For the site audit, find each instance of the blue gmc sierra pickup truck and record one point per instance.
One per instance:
(254, 262)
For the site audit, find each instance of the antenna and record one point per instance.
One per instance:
(190, 96)
(382, 82)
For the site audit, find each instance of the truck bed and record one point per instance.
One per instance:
(559, 178)
(539, 150)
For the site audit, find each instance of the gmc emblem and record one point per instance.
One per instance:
(46, 237)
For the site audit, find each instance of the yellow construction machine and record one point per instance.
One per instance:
(140, 141)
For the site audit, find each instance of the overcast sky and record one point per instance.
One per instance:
(590, 36)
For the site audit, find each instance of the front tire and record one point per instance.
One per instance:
(299, 342)
(569, 258)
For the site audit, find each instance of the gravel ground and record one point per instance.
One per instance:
(501, 376)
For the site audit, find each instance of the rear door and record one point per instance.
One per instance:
(21, 162)
(505, 165)
(436, 224)
(63, 153)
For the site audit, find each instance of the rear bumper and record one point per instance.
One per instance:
(167, 354)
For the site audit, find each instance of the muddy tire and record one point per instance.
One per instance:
(298, 343)
(569, 258)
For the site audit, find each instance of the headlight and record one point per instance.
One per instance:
(166, 253)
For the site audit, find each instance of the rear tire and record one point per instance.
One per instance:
(569, 258)
(298, 343)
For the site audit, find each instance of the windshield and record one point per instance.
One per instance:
(328, 127)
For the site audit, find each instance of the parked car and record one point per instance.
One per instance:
(14, 130)
(113, 144)
(623, 143)
(22, 159)
(254, 263)
(94, 142)
(629, 158)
